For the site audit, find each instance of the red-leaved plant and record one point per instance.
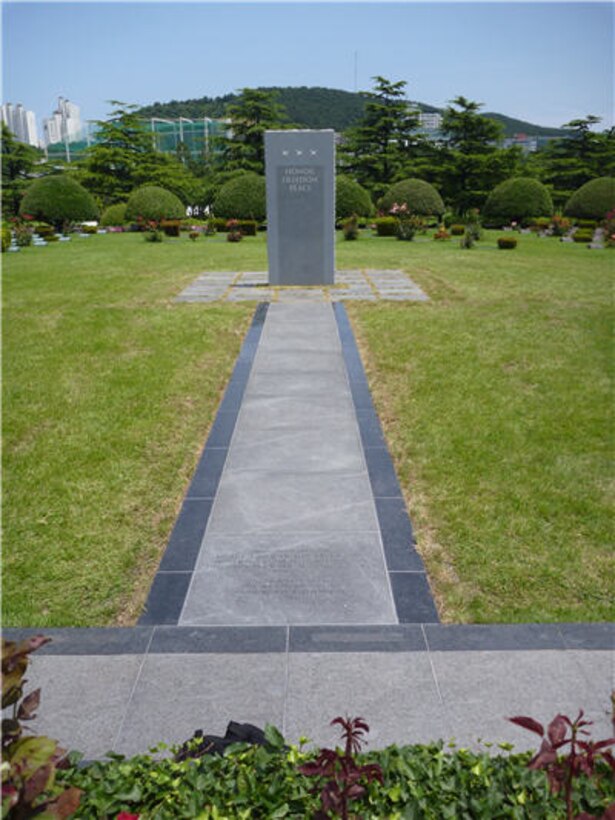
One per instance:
(344, 777)
(581, 758)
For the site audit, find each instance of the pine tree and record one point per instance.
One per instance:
(376, 151)
(253, 113)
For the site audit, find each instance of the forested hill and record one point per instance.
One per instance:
(316, 108)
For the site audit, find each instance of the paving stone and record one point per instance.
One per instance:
(315, 578)
(394, 692)
(300, 502)
(177, 694)
(84, 698)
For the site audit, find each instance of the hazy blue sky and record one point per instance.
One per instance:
(543, 62)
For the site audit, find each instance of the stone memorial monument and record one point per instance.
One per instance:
(300, 173)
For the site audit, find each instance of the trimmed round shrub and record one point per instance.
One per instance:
(351, 199)
(458, 230)
(150, 202)
(114, 215)
(592, 200)
(58, 199)
(507, 242)
(517, 199)
(419, 196)
(242, 197)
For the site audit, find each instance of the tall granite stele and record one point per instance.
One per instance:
(300, 173)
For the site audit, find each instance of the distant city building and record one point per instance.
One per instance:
(64, 125)
(430, 120)
(20, 122)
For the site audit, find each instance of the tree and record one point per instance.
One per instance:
(376, 151)
(472, 163)
(18, 165)
(253, 113)
(124, 158)
(570, 162)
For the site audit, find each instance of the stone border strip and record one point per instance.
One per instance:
(170, 586)
(408, 578)
(171, 640)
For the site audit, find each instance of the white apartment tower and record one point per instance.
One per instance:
(20, 122)
(64, 125)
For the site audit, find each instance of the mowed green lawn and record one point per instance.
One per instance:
(494, 396)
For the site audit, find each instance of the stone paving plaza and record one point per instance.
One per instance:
(366, 285)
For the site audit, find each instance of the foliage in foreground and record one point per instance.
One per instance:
(430, 782)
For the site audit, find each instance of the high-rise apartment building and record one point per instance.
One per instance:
(20, 122)
(64, 125)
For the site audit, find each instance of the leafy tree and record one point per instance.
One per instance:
(253, 113)
(570, 162)
(18, 165)
(472, 163)
(376, 151)
(124, 158)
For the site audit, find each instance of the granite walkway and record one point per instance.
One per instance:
(291, 591)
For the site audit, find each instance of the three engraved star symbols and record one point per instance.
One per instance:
(299, 153)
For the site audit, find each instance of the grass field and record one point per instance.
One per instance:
(495, 397)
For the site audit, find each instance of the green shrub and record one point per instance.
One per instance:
(150, 202)
(171, 227)
(247, 226)
(386, 226)
(89, 229)
(350, 229)
(587, 223)
(194, 235)
(58, 200)
(419, 196)
(44, 231)
(242, 197)
(517, 199)
(351, 199)
(583, 236)
(458, 230)
(540, 223)
(507, 242)
(592, 200)
(6, 238)
(114, 215)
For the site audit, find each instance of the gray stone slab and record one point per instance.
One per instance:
(83, 698)
(300, 175)
(300, 337)
(261, 413)
(516, 683)
(335, 447)
(308, 502)
(314, 578)
(394, 692)
(177, 694)
(295, 314)
(290, 361)
(297, 384)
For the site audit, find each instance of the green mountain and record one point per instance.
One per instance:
(318, 108)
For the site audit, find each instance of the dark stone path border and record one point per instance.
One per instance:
(169, 640)
(170, 586)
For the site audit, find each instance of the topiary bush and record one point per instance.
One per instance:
(592, 200)
(583, 235)
(114, 215)
(507, 242)
(58, 199)
(150, 202)
(419, 196)
(242, 197)
(517, 199)
(351, 199)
